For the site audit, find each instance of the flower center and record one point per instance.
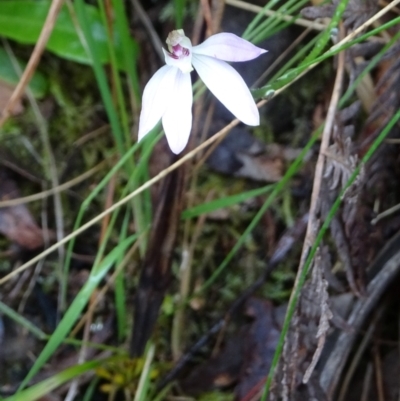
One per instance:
(179, 51)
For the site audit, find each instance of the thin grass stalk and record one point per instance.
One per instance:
(287, 209)
(278, 78)
(253, 24)
(50, 171)
(100, 76)
(47, 386)
(283, 25)
(51, 18)
(144, 380)
(372, 63)
(96, 191)
(274, 23)
(73, 312)
(129, 52)
(120, 100)
(119, 287)
(179, 6)
(132, 179)
(88, 396)
(85, 206)
(41, 335)
(117, 130)
(292, 170)
(21, 321)
(294, 73)
(293, 21)
(137, 203)
(227, 201)
(300, 54)
(119, 291)
(147, 202)
(326, 36)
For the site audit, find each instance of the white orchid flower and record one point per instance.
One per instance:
(168, 95)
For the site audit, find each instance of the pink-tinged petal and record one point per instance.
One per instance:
(228, 86)
(177, 119)
(228, 47)
(156, 97)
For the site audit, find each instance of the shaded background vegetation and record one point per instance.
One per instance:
(180, 291)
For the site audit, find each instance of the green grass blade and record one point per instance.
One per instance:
(253, 24)
(47, 386)
(88, 396)
(375, 60)
(120, 297)
(129, 48)
(225, 202)
(17, 318)
(144, 381)
(120, 100)
(148, 143)
(100, 74)
(274, 23)
(38, 84)
(77, 306)
(326, 36)
(293, 73)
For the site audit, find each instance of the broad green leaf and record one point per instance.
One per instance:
(38, 84)
(22, 20)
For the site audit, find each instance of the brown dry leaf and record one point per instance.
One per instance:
(6, 91)
(266, 166)
(260, 168)
(16, 222)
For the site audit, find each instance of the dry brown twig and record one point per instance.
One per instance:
(60, 188)
(218, 8)
(34, 59)
(102, 291)
(205, 6)
(157, 44)
(313, 222)
(319, 169)
(271, 13)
